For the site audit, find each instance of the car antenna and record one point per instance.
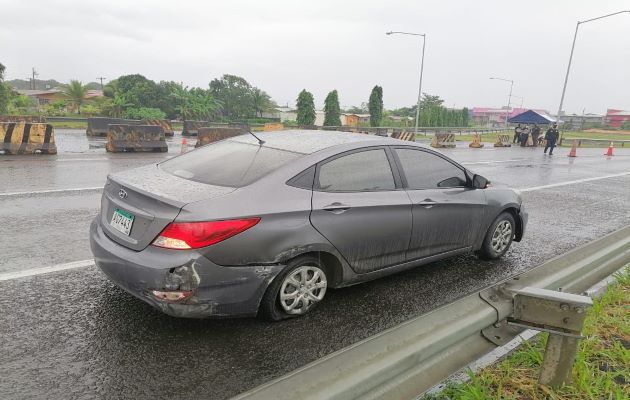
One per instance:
(260, 141)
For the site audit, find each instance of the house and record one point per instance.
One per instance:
(579, 121)
(354, 119)
(616, 118)
(43, 97)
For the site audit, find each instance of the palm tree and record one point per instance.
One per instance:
(118, 105)
(261, 101)
(76, 92)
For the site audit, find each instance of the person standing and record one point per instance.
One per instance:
(551, 136)
(517, 134)
(535, 135)
(524, 136)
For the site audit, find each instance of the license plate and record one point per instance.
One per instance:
(122, 221)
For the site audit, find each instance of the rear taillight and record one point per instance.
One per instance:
(193, 235)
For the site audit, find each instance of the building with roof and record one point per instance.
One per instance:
(616, 118)
(43, 97)
(488, 116)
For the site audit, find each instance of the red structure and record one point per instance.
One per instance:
(615, 118)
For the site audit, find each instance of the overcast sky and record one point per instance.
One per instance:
(285, 46)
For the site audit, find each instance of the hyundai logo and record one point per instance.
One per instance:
(122, 194)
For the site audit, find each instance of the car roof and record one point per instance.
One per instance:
(310, 141)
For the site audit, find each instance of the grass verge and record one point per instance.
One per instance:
(601, 369)
(608, 136)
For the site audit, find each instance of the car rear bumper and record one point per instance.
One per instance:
(217, 290)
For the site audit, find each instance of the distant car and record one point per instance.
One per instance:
(239, 228)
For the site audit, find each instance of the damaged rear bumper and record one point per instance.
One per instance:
(216, 290)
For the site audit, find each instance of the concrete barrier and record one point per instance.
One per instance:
(309, 127)
(23, 118)
(441, 140)
(27, 138)
(164, 123)
(214, 134)
(191, 128)
(476, 142)
(503, 140)
(99, 126)
(404, 135)
(135, 138)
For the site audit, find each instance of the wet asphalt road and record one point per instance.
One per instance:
(72, 334)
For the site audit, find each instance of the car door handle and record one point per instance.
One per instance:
(427, 203)
(336, 208)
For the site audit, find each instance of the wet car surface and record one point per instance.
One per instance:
(84, 338)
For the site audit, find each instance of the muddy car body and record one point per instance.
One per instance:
(239, 228)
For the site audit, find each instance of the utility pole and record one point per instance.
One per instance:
(100, 78)
(33, 78)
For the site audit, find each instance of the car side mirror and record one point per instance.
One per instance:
(479, 182)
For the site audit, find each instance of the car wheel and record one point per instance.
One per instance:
(498, 238)
(296, 290)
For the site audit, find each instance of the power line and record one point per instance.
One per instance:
(100, 78)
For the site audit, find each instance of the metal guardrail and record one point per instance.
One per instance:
(407, 360)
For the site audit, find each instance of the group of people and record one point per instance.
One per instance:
(530, 136)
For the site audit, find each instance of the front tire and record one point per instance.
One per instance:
(296, 290)
(498, 238)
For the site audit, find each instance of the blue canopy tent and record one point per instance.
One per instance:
(531, 117)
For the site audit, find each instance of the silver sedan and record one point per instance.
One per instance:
(244, 227)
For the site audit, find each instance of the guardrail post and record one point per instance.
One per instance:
(560, 314)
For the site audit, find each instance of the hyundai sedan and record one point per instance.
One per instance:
(265, 226)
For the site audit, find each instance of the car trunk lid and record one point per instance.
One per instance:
(152, 199)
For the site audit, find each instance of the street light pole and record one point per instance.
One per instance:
(424, 42)
(507, 110)
(566, 76)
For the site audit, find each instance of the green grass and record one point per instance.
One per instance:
(601, 370)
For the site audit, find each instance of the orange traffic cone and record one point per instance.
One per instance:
(573, 151)
(184, 146)
(610, 149)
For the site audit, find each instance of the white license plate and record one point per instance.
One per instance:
(122, 221)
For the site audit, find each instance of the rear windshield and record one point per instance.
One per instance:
(228, 163)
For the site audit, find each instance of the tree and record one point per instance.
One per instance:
(5, 92)
(145, 113)
(235, 95)
(376, 106)
(332, 112)
(363, 109)
(76, 92)
(197, 103)
(305, 109)
(261, 101)
(465, 117)
(137, 89)
(117, 106)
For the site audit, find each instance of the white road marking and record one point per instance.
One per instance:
(85, 189)
(597, 178)
(7, 276)
(494, 162)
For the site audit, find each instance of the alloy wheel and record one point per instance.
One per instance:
(502, 236)
(302, 289)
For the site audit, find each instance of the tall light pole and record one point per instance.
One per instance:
(566, 77)
(507, 110)
(424, 42)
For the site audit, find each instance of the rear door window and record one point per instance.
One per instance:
(361, 171)
(425, 170)
(228, 163)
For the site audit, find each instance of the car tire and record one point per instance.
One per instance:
(498, 238)
(296, 290)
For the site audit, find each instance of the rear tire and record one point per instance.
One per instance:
(498, 238)
(296, 290)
